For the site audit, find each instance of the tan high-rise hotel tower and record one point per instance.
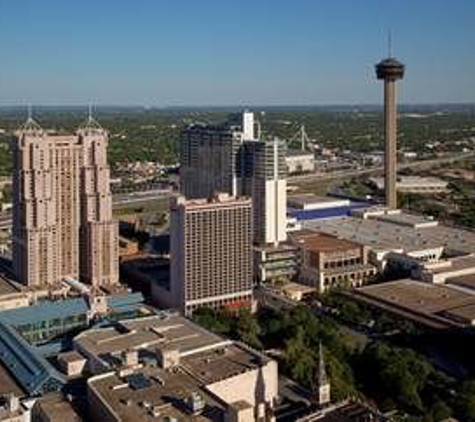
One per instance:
(62, 207)
(390, 70)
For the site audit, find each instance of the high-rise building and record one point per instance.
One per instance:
(390, 70)
(62, 207)
(227, 158)
(211, 253)
(210, 160)
(265, 182)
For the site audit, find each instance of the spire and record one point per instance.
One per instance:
(322, 373)
(91, 124)
(31, 126)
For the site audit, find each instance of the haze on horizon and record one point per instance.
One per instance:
(267, 52)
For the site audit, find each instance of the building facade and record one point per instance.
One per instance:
(62, 207)
(167, 368)
(327, 262)
(299, 162)
(211, 253)
(266, 183)
(229, 159)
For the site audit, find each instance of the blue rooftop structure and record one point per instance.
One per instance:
(22, 328)
(34, 374)
(44, 311)
(326, 212)
(125, 302)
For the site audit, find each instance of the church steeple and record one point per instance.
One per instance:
(322, 387)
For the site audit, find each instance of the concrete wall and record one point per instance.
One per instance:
(253, 386)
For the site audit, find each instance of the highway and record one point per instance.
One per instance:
(347, 174)
(119, 201)
(123, 200)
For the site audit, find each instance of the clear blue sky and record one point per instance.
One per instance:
(240, 52)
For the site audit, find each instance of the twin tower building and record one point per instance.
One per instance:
(62, 207)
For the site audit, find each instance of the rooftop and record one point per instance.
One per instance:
(320, 242)
(383, 236)
(146, 391)
(162, 394)
(457, 264)
(467, 281)
(441, 303)
(298, 153)
(311, 199)
(221, 199)
(8, 383)
(406, 219)
(57, 408)
(158, 331)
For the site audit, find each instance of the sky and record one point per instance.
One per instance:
(232, 52)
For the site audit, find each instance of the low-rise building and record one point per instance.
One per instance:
(384, 233)
(168, 367)
(414, 184)
(310, 202)
(432, 305)
(53, 407)
(298, 161)
(327, 261)
(275, 263)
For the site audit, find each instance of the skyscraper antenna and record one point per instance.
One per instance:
(390, 43)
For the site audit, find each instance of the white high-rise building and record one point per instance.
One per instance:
(265, 181)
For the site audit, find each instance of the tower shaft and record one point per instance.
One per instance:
(390, 134)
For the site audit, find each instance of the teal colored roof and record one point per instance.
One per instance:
(128, 301)
(44, 311)
(35, 375)
(31, 370)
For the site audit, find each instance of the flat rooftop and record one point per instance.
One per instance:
(466, 281)
(406, 219)
(459, 263)
(218, 200)
(320, 242)
(8, 383)
(313, 199)
(162, 392)
(443, 304)
(57, 408)
(292, 152)
(149, 392)
(158, 331)
(383, 236)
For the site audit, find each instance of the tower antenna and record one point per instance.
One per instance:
(390, 43)
(29, 112)
(89, 116)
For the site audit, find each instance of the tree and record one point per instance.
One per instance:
(248, 329)
(219, 322)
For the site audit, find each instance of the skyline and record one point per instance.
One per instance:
(170, 54)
